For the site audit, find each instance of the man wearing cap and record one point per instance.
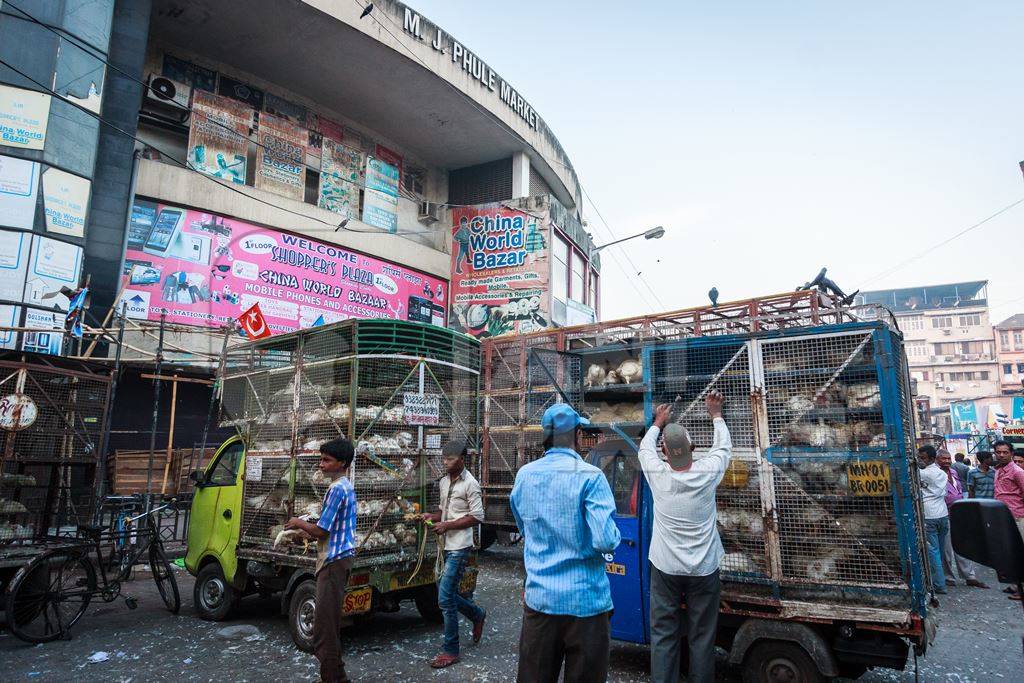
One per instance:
(565, 510)
(685, 548)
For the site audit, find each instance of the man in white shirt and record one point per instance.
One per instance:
(685, 551)
(461, 510)
(936, 516)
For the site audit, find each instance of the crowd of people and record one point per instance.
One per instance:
(945, 479)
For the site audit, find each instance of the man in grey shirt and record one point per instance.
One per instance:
(685, 549)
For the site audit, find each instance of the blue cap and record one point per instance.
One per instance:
(561, 418)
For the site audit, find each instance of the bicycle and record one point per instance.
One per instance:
(48, 596)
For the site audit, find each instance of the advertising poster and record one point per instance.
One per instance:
(281, 158)
(500, 271)
(9, 318)
(65, 201)
(53, 264)
(19, 187)
(49, 341)
(964, 417)
(341, 175)
(191, 74)
(1017, 409)
(14, 252)
(390, 157)
(218, 139)
(282, 108)
(206, 270)
(23, 117)
(380, 201)
(243, 92)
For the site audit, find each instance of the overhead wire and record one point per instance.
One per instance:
(489, 117)
(899, 266)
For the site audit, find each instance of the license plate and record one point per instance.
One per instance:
(358, 601)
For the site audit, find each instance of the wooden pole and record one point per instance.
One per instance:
(170, 434)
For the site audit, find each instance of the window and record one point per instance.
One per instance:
(983, 375)
(940, 376)
(1018, 341)
(623, 474)
(912, 322)
(560, 269)
(1020, 368)
(592, 294)
(578, 291)
(942, 322)
(225, 471)
(924, 375)
(1004, 339)
(970, 320)
(414, 179)
(1007, 368)
(917, 350)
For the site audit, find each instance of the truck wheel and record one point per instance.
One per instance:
(426, 604)
(301, 611)
(774, 661)
(214, 597)
(488, 535)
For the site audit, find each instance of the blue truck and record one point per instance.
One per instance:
(825, 572)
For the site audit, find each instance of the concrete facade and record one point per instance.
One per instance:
(1009, 336)
(948, 340)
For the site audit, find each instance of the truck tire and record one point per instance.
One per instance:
(426, 604)
(772, 661)
(213, 596)
(301, 611)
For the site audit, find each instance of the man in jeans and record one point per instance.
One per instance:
(335, 544)
(1009, 488)
(686, 550)
(461, 510)
(566, 513)
(936, 516)
(951, 562)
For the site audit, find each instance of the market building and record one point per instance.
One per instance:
(1010, 350)
(187, 159)
(346, 149)
(949, 344)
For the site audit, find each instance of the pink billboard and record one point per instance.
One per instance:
(202, 269)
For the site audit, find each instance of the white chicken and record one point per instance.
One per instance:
(595, 376)
(631, 371)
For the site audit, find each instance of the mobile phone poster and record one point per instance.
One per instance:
(500, 270)
(203, 269)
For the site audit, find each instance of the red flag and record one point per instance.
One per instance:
(254, 324)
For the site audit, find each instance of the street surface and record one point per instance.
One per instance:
(979, 640)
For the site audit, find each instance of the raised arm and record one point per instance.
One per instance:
(599, 509)
(721, 449)
(650, 461)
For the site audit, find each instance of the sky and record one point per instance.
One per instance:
(772, 139)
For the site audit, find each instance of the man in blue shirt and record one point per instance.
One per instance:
(335, 545)
(565, 510)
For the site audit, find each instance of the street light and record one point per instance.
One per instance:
(652, 234)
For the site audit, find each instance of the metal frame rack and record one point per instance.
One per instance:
(510, 435)
(398, 390)
(48, 469)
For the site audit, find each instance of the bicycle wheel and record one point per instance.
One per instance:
(163, 575)
(49, 595)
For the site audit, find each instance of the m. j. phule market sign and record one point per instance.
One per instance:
(473, 65)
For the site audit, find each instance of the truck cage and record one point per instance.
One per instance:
(398, 390)
(818, 512)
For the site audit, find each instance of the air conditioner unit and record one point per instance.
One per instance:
(430, 212)
(167, 92)
(949, 388)
(947, 331)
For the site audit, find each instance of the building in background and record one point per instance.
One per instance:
(1010, 354)
(294, 155)
(949, 344)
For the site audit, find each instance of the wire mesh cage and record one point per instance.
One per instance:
(398, 391)
(52, 421)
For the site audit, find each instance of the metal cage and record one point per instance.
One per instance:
(398, 390)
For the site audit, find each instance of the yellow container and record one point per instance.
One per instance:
(737, 474)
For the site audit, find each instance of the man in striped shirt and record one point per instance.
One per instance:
(335, 541)
(565, 511)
